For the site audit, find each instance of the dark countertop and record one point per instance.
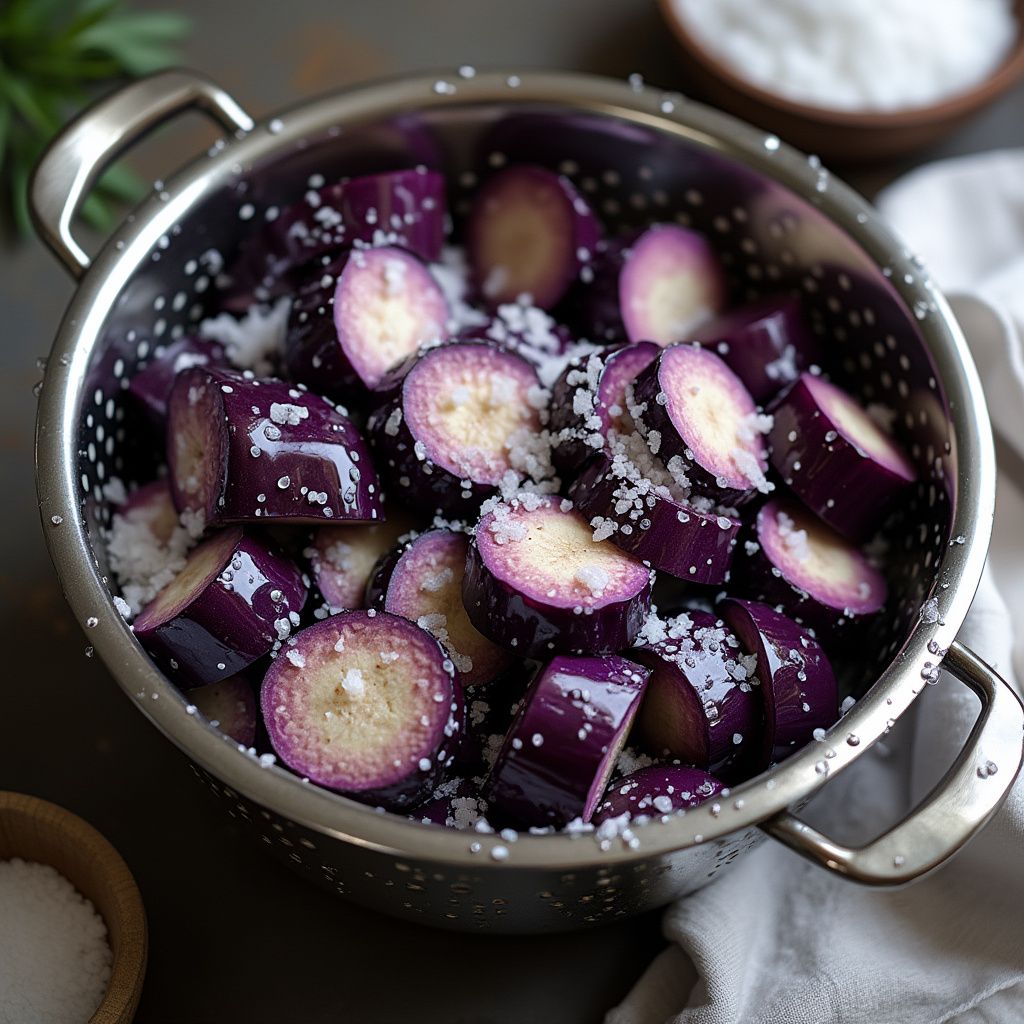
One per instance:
(234, 935)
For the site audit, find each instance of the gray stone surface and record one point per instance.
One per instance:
(235, 937)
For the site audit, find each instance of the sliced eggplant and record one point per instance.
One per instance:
(525, 329)
(458, 419)
(838, 461)
(233, 600)
(403, 208)
(230, 706)
(701, 704)
(456, 803)
(656, 791)
(798, 688)
(815, 575)
(690, 406)
(422, 581)
(589, 400)
(342, 558)
(364, 703)
(529, 233)
(766, 343)
(359, 317)
(151, 386)
(242, 450)
(642, 515)
(660, 286)
(556, 759)
(536, 581)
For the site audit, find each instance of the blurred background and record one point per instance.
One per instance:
(235, 936)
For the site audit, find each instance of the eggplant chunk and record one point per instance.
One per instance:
(460, 418)
(656, 791)
(837, 460)
(364, 703)
(818, 577)
(562, 747)
(233, 600)
(701, 704)
(529, 233)
(798, 689)
(243, 451)
(692, 408)
(422, 581)
(230, 706)
(358, 318)
(151, 386)
(537, 582)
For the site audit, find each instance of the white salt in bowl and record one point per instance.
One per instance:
(38, 831)
(840, 135)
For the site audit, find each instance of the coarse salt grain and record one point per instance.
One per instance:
(55, 959)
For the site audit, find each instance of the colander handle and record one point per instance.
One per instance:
(959, 805)
(82, 151)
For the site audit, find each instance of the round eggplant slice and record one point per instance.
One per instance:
(529, 233)
(536, 581)
(422, 581)
(230, 706)
(151, 386)
(364, 703)
(659, 287)
(358, 318)
(798, 689)
(642, 514)
(403, 208)
(817, 576)
(700, 704)
(458, 420)
(589, 400)
(342, 558)
(765, 343)
(228, 606)
(838, 461)
(556, 759)
(242, 450)
(690, 406)
(656, 791)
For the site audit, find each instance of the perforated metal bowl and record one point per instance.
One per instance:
(779, 222)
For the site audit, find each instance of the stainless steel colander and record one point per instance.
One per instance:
(779, 222)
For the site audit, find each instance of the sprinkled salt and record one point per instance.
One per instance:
(54, 956)
(255, 341)
(353, 683)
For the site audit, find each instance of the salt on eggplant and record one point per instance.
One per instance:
(656, 791)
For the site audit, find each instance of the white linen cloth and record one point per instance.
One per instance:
(781, 941)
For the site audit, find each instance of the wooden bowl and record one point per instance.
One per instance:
(36, 830)
(839, 135)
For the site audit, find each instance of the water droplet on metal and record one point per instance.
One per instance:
(821, 767)
(853, 739)
(771, 143)
(988, 769)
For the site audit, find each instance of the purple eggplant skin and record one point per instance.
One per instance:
(798, 688)
(535, 626)
(594, 386)
(151, 386)
(677, 539)
(699, 705)
(231, 704)
(660, 391)
(490, 711)
(561, 749)
(276, 453)
(443, 809)
(766, 343)
(401, 763)
(423, 576)
(239, 598)
(833, 607)
(846, 485)
(655, 791)
(548, 205)
(613, 305)
(411, 463)
(330, 345)
(405, 208)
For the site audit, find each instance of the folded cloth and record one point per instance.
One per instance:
(781, 941)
